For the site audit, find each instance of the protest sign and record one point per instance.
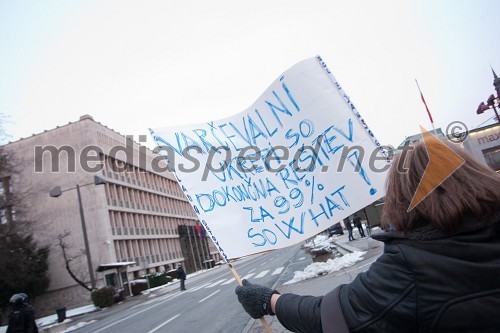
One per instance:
(297, 161)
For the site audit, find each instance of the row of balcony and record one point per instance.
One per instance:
(132, 205)
(152, 259)
(138, 182)
(141, 232)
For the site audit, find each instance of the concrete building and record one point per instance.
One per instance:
(410, 140)
(137, 218)
(483, 143)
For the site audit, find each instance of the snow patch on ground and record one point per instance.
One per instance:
(52, 319)
(320, 243)
(330, 266)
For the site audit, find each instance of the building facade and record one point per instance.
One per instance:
(136, 217)
(483, 143)
(412, 139)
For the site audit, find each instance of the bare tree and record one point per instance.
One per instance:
(69, 258)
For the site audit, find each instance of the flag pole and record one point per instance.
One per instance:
(238, 279)
(426, 108)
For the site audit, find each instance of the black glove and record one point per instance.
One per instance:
(256, 299)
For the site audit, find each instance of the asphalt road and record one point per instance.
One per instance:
(209, 304)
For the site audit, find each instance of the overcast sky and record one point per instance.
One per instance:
(139, 64)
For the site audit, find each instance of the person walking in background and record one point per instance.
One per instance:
(348, 226)
(357, 223)
(439, 269)
(22, 315)
(182, 276)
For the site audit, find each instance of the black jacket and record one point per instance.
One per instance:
(22, 320)
(357, 221)
(426, 280)
(180, 273)
(347, 224)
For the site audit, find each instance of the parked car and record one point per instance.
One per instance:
(335, 229)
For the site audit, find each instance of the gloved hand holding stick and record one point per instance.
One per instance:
(252, 295)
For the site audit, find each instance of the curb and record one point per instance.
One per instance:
(347, 248)
(54, 328)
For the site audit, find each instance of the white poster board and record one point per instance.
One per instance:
(249, 195)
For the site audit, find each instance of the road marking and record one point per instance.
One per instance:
(158, 299)
(215, 292)
(261, 274)
(265, 262)
(250, 271)
(135, 314)
(167, 297)
(215, 283)
(228, 281)
(170, 295)
(198, 288)
(302, 258)
(248, 276)
(146, 303)
(163, 324)
(79, 325)
(278, 270)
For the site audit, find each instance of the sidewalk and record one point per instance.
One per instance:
(322, 284)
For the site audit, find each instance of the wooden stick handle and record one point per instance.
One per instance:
(266, 325)
(238, 279)
(235, 274)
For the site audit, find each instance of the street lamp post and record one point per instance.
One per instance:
(490, 104)
(56, 192)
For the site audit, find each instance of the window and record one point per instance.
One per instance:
(492, 157)
(110, 279)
